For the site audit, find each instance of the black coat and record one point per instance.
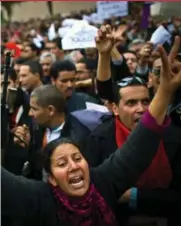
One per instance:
(32, 202)
(78, 101)
(14, 156)
(165, 202)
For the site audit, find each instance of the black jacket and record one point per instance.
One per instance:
(14, 157)
(32, 202)
(78, 101)
(165, 202)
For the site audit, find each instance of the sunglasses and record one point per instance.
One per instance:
(131, 81)
(156, 71)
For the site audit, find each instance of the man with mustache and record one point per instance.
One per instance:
(157, 192)
(63, 75)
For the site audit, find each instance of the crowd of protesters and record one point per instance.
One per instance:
(65, 164)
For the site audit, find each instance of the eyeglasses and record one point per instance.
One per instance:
(156, 71)
(131, 80)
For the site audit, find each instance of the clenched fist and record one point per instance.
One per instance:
(22, 136)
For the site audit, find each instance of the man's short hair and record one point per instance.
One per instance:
(57, 41)
(136, 42)
(125, 82)
(129, 51)
(49, 95)
(34, 66)
(11, 73)
(83, 61)
(33, 47)
(20, 60)
(48, 54)
(59, 66)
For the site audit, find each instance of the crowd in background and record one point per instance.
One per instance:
(49, 90)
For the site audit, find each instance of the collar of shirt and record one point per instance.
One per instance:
(54, 134)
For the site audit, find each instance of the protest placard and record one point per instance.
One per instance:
(71, 22)
(160, 36)
(79, 37)
(108, 9)
(67, 25)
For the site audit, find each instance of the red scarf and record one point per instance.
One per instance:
(90, 210)
(159, 173)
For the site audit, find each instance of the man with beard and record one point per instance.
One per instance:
(64, 77)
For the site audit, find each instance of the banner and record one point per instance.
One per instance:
(109, 9)
(94, 18)
(79, 37)
(67, 25)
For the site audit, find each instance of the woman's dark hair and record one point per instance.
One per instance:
(50, 148)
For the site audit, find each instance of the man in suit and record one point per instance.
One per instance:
(47, 108)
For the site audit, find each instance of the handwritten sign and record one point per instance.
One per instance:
(79, 37)
(71, 22)
(160, 36)
(67, 25)
(108, 9)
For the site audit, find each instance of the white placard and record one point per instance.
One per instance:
(96, 18)
(67, 25)
(87, 18)
(71, 22)
(79, 37)
(160, 36)
(108, 9)
(51, 32)
(62, 31)
(96, 107)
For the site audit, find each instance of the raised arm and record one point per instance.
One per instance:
(124, 167)
(104, 44)
(19, 195)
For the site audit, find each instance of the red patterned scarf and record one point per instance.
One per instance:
(159, 173)
(90, 210)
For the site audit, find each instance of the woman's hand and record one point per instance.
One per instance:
(170, 80)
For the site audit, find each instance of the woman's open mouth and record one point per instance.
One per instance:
(77, 182)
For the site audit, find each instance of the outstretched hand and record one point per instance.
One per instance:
(170, 78)
(104, 39)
